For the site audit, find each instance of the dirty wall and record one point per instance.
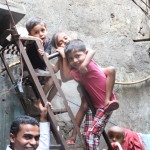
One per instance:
(109, 27)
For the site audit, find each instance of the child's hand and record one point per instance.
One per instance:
(116, 146)
(61, 51)
(41, 52)
(82, 69)
(35, 38)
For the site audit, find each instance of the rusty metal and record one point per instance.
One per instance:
(54, 125)
(14, 83)
(5, 30)
(56, 54)
(8, 28)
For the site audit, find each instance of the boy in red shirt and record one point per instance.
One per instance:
(94, 82)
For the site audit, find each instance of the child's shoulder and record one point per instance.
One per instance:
(93, 64)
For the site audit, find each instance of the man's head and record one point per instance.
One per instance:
(75, 52)
(36, 27)
(60, 39)
(24, 133)
(116, 134)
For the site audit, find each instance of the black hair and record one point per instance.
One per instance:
(54, 40)
(15, 126)
(75, 45)
(32, 22)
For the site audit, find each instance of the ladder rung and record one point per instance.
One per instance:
(59, 111)
(34, 73)
(75, 146)
(53, 55)
(55, 146)
(43, 74)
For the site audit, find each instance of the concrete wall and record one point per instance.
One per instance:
(109, 27)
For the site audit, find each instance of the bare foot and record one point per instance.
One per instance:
(71, 141)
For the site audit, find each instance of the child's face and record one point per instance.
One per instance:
(62, 39)
(116, 135)
(39, 31)
(76, 58)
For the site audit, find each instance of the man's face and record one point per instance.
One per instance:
(27, 137)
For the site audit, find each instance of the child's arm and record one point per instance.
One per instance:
(56, 67)
(89, 56)
(40, 51)
(64, 67)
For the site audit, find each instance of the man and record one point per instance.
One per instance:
(27, 134)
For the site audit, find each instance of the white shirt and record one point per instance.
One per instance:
(44, 141)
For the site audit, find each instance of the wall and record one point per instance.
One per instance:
(109, 27)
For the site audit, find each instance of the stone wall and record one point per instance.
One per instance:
(109, 27)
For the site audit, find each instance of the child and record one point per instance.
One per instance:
(128, 139)
(59, 40)
(37, 28)
(94, 82)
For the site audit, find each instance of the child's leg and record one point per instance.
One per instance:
(96, 128)
(50, 87)
(79, 118)
(88, 120)
(110, 81)
(53, 91)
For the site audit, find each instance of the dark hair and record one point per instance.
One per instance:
(32, 22)
(75, 45)
(15, 126)
(54, 40)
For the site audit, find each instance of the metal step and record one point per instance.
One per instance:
(60, 111)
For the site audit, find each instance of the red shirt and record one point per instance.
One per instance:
(94, 81)
(131, 141)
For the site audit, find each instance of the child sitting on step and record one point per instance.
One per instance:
(37, 28)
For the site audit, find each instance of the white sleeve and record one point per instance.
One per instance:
(44, 141)
(8, 147)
